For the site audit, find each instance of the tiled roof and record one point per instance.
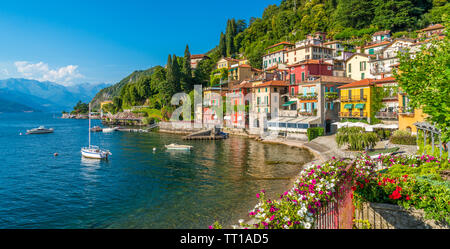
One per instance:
(432, 27)
(272, 83)
(334, 79)
(385, 80)
(378, 44)
(198, 56)
(364, 82)
(306, 62)
(331, 42)
(281, 43)
(384, 32)
(244, 84)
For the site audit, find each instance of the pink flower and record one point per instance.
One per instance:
(273, 217)
(257, 196)
(211, 227)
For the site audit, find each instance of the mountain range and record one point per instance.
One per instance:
(25, 95)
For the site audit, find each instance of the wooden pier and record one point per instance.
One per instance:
(211, 134)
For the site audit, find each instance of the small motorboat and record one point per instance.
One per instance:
(40, 130)
(96, 129)
(178, 147)
(107, 130)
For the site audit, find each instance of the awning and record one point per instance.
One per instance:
(289, 103)
(359, 106)
(348, 106)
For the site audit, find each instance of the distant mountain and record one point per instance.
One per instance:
(46, 96)
(110, 92)
(10, 106)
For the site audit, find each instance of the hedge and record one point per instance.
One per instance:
(315, 132)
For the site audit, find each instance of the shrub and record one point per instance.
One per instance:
(403, 137)
(356, 138)
(315, 132)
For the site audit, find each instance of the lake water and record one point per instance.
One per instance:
(136, 188)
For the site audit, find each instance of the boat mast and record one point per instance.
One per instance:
(89, 125)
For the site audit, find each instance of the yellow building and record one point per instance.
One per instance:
(407, 116)
(226, 63)
(356, 99)
(105, 103)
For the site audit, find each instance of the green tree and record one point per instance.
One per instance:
(187, 82)
(223, 45)
(425, 79)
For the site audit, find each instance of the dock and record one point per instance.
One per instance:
(211, 134)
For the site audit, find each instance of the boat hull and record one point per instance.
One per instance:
(94, 155)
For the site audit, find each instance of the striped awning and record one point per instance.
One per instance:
(359, 106)
(348, 106)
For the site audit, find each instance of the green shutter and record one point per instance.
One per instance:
(359, 106)
(348, 106)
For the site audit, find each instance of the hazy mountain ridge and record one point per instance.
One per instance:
(46, 96)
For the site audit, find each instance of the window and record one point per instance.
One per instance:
(292, 91)
(266, 89)
(258, 100)
(303, 76)
(362, 76)
(349, 68)
(275, 89)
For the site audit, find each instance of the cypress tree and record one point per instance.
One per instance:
(170, 88)
(229, 38)
(222, 45)
(186, 84)
(176, 70)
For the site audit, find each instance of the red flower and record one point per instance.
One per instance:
(408, 198)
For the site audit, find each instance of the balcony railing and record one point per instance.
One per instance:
(331, 96)
(307, 113)
(307, 97)
(354, 98)
(386, 115)
(406, 110)
(353, 115)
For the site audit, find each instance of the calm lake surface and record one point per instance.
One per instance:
(136, 188)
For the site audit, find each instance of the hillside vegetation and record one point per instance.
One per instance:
(351, 20)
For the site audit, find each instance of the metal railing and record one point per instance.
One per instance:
(354, 98)
(406, 110)
(353, 115)
(386, 115)
(338, 214)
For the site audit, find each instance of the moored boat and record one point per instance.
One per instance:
(93, 151)
(40, 130)
(96, 129)
(178, 147)
(110, 129)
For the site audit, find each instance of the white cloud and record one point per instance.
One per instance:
(41, 71)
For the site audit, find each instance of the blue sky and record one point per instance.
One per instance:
(70, 42)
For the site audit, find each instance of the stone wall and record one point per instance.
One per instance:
(387, 216)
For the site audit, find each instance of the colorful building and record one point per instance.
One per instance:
(389, 113)
(226, 63)
(355, 100)
(239, 98)
(301, 71)
(308, 52)
(196, 58)
(380, 36)
(407, 115)
(276, 54)
(213, 106)
(432, 30)
(357, 66)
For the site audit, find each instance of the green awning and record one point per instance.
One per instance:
(359, 106)
(348, 106)
(289, 103)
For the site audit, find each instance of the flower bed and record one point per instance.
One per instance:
(408, 181)
(296, 208)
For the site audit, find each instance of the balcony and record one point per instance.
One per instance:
(354, 98)
(309, 96)
(386, 115)
(331, 96)
(308, 113)
(353, 115)
(406, 110)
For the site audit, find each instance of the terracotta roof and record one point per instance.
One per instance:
(198, 56)
(306, 62)
(364, 82)
(331, 42)
(281, 43)
(334, 79)
(360, 54)
(244, 84)
(312, 45)
(272, 83)
(274, 52)
(378, 44)
(432, 27)
(272, 68)
(385, 80)
(384, 32)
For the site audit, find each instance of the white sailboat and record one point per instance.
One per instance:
(93, 151)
